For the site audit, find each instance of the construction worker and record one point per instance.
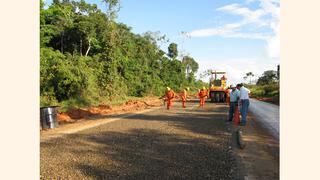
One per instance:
(234, 99)
(169, 97)
(183, 96)
(227, 92)
(202, 95)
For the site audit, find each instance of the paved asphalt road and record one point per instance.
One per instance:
(191, 143)
(267, 115)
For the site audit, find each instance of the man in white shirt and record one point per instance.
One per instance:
(244, 102)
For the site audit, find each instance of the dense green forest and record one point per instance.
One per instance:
(86, 57)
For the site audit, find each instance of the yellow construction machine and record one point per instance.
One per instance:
(218, 91)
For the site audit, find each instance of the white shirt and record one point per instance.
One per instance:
(244, 93)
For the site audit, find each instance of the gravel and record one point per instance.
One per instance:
(191, 143)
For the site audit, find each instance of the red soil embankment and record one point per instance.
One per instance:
(105, 109)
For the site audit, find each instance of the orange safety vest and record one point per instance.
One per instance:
(170, 94)
(202, 93)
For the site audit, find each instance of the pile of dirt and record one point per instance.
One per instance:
(73, 114)
(105, 109)
(105, 106)
(132, 103)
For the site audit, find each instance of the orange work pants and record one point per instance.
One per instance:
(169, 103)
(183, 103)
(202, 100)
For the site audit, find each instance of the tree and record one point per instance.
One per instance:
(268, 77)
(249, 75)
(113, 7)
(173, 50)
(190, 62)
(245, 78)
(86, 57)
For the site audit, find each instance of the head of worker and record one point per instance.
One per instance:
(203, 88)
(233, 87)
(239, 86)
(168, 88)
(187, 88)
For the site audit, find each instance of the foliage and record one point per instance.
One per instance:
(173, 50)
(87, 58)
(269, 90)
(268, 77)
(189, 61)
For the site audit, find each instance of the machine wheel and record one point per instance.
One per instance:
(218, 97)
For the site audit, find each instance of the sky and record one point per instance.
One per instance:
(236, 36)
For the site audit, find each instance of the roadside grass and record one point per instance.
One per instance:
(269, 93)
(270, 90)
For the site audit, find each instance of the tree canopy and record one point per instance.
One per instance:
(86, 57)
(268, 77)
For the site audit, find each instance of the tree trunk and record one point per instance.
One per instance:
(80, 47)
(88, 48)
(61, 41)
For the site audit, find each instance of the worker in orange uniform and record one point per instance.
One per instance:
(183, 96)
(169, 97)
(228, 94)
(202, 95)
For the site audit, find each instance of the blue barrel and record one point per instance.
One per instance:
(48, 117)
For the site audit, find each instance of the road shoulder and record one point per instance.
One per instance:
(86, 123)
(260, 157)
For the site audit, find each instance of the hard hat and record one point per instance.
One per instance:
(187, 88)
(168, 89)
(203, 87)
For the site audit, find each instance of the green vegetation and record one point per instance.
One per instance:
(270, 90)
(267, 86)
(87, 58)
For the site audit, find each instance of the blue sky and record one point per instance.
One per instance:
(236, 36)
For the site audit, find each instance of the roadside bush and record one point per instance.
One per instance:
(274, 93)
(264, 91)
(258, 93)
(270, 88)
(48, 99)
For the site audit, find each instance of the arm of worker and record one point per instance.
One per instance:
(238, 97)
(174, 95)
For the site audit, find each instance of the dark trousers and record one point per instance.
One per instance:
(244, 110)
(232, 109)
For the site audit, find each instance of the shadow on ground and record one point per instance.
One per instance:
(170, 146)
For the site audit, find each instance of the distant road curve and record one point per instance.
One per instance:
(267, 114)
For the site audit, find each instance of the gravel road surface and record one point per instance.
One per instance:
(191, 143)
(267, 114)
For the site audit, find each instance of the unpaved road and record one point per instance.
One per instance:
(267, 114)
(191, 143)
